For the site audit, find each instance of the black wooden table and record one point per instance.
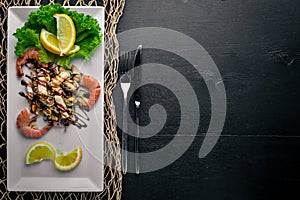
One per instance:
(255, 45)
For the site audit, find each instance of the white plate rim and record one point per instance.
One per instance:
(71, 184)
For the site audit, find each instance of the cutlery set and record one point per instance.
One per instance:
(128, 62)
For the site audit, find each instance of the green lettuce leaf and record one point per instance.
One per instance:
(26, 38)
(88, 35)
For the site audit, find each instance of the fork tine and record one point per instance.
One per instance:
(124, 62)
(132, 67)
(131, 59)
(128, 61)
(121, 63)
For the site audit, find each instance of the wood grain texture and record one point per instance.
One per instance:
(252, 43)
(237, 168)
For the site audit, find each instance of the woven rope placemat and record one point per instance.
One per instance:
(112, 177)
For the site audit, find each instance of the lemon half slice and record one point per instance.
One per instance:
(49, 41)
(38, 152)
(68, 161)
(66, 33)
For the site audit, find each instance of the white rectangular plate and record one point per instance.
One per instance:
(89, 174)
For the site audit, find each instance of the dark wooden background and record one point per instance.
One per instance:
(256, 46)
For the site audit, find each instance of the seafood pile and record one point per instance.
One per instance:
(53, 92)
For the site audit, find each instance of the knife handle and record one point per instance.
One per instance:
(137, 158)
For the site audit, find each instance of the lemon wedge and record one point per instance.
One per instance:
(73, 50)
(38, 152)
(49, 41)
(68, 161)
(66, 33)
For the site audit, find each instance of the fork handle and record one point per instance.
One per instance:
(124, 138)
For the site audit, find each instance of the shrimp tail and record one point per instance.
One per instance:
(30, 54)
(26, 125)
(93, 86)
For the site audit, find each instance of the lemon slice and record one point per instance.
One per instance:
(49, 41)
(68, 161)
(38, 152)
(66, 33)
(73, 50)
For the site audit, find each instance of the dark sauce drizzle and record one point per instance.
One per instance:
(79, 119)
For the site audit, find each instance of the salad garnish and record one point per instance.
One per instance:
(88, 36)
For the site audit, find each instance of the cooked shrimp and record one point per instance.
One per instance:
(27, 125)
(30, 54)
(93, 86)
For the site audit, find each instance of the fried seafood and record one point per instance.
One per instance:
(53, 92)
